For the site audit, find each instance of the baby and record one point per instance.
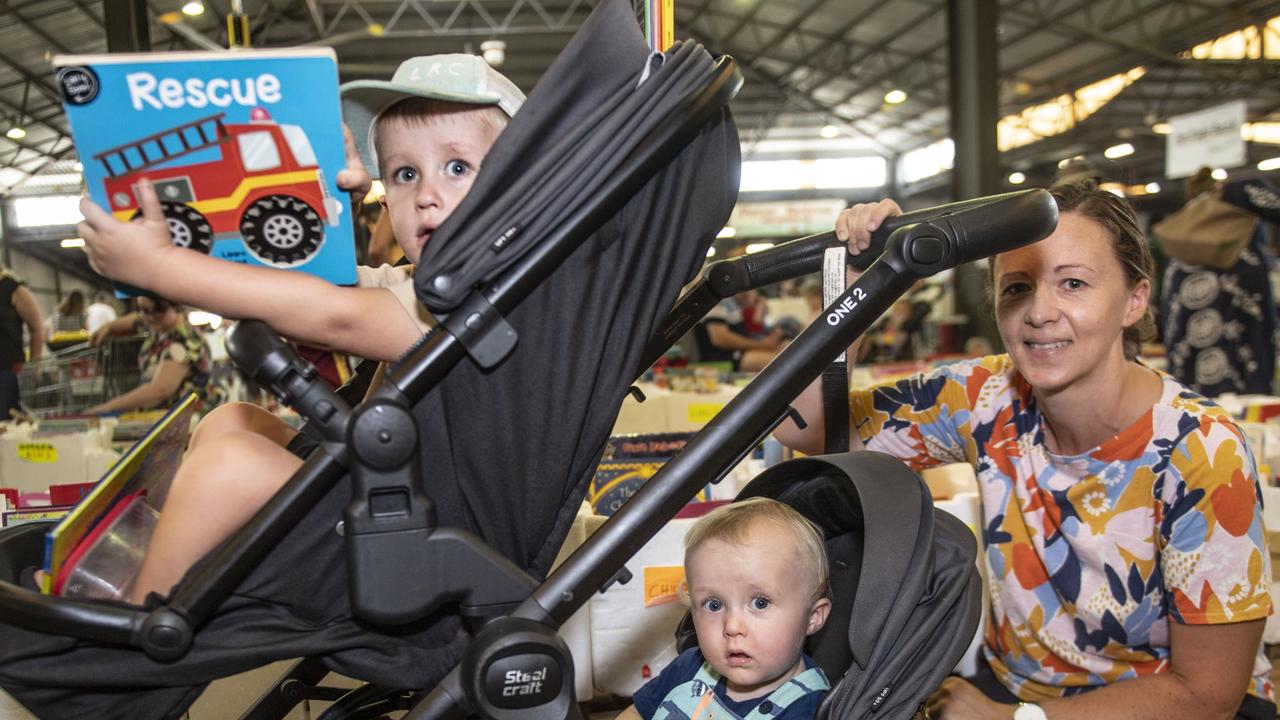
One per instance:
(756, 572)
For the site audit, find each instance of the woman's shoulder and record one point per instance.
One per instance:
(1182, 413)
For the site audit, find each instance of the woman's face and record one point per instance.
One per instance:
(1062, 304)
(159, 315)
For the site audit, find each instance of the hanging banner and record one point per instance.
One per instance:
(1206, 138)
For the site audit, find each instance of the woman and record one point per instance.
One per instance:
(173, 358)
(68, 316)
(1123, 535)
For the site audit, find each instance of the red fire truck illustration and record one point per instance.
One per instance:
(266, 186)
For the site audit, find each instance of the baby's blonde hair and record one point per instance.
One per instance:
(734, 523)
(424, 112)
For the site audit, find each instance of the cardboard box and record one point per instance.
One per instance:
(633, 625)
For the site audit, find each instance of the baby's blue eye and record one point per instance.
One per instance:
(712, 605)
(405, 175)
(457, 167)
(759, 603)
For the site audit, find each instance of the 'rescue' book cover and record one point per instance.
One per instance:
(242, 147)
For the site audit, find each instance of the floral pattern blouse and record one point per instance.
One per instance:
(182, 345)
(1090, 556)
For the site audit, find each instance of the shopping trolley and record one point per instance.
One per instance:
(67, 381)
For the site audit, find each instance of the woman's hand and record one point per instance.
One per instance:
(855, 225)
(957, 699)
(355, 177)
(130, 252)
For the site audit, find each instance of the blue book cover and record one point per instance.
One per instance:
(242, 147)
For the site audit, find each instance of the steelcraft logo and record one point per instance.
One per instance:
(516, 683)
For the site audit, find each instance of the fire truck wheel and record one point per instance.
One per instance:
(187, 227)
(282, 230)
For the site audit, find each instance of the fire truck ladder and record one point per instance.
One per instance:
(119, 155)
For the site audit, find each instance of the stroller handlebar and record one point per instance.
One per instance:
(973, 229)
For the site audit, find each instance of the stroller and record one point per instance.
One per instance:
(453, 490)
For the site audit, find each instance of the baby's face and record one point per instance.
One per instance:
(427, 169)
(753, 605)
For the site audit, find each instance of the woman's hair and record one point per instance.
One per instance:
(1115, 215)
(735, 522)
(72, 304)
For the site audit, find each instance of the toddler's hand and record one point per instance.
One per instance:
(355, 178)
(126, 251)
(855, 225)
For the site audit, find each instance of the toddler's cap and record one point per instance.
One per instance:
(455, 77)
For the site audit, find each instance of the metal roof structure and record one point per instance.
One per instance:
(808, 63)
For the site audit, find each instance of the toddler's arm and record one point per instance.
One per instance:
(365, 321)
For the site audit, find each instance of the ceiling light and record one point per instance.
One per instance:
(1152, 188)
(1017, 178)
(1269, 164)
(727, 231)
(193, 8)
(72, 242)
(17, 132)
(893, 97)
(1219, 174)
(757, 247)
(1062, 164)
(494, 52)
(1118, 151)
(1162, 128)
(829, 131)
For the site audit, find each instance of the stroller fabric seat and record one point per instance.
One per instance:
(507, 450)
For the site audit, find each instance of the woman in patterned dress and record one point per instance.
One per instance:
(1126, 559)
(174, 358)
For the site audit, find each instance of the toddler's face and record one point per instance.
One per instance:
(753, 606)
(427, 169)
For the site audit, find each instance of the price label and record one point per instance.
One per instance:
(38, 452)
(701, 413)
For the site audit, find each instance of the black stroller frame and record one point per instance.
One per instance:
(391, 536)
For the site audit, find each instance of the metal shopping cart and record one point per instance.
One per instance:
(67, 381)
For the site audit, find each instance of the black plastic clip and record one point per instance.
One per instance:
(795, 416)
(622, 577)
(482, 330)
(635, 392)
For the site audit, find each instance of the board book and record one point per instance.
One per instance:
(147, 467)
(243, 149)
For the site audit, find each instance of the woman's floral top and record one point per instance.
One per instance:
(1089, 557)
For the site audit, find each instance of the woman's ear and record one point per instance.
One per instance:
(1136, 306)
(818, 615)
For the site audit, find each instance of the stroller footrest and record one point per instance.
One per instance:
(399, 577)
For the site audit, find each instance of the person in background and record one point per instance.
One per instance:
(18, 308)
(99, 313)
(1125, 554)
(1220, 325)
(174, 359)
(756, 573)
(734, 332)
(68, 317)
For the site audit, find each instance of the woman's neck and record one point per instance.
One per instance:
(1096, 409)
